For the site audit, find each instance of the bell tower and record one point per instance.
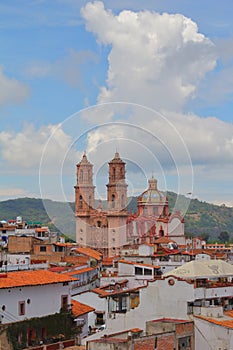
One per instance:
(117, 205)
(117, 187)
(84, 198)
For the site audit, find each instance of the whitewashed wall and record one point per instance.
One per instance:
(209, 336)
(93, 300)
(44, 300)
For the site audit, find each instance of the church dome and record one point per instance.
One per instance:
(152, 195)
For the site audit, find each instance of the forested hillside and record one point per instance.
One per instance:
(201, 218)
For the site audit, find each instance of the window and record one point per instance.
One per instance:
(99, 318)
(184, 343)
(43, 332)
(147, 272)
(98, 223)
(122, 173)
(155, 210)
(80, 202)
(31, 336)
(113, 174)
(161, 232)
(21, 308)
(122, 201)
(113, 201)
(43, 248)
(81, 175)
(64, 301)
(138, 271)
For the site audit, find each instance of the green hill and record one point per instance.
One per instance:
(58, 216)
(201, 218)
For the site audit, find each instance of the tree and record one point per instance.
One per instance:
(205, 236)
(224, 237)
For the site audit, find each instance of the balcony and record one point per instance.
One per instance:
(212, 289)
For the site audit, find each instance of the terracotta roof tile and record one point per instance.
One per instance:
(107, 292)
(79, 309)
(138, 264)
(80, 271)
(89, 252)
(32, 278)
(220, 322)
(63, 244)
(229, 313)
(110, 340)
(135, 330)
(164, 240)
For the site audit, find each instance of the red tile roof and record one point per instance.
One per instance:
(135, 330)
(103, 291)
(109, 340)
(58, 268)
(164, 240)
(229, 313)
(63, 244)
(32, 278)
(80, 271)
(89, 252)
(220, 322)
(79, 309)
(138, 264)
(107, 261)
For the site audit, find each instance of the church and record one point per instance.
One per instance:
(109, 229)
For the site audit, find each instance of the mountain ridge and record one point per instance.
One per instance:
(201, 218)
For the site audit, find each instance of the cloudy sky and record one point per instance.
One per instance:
(151, 79)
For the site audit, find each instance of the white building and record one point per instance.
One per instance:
(201, 288)
(38, 294)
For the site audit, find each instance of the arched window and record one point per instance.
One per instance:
(161, 232)
(122, 201)
(122, 173)
(113, 200)
(114, 174)
(98, 223)
(80, 202)
(89, 201)
(81, 175)
(145, 211)
(155, 211)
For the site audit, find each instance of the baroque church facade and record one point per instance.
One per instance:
(109, 229)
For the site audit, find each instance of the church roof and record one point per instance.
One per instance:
(152, 195)
(84, 160)
(203, 269)
(116, 159)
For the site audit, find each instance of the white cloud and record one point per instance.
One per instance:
(159, 61)
(156, 60)
(11, 90)
(26, 148)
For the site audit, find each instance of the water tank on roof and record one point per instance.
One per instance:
(172, 245)
(19, 220)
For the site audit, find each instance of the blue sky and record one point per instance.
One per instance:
(152, 79)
